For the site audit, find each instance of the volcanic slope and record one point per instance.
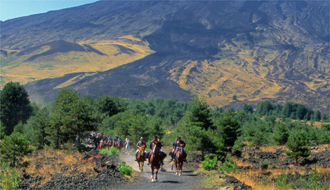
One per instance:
(256, 50)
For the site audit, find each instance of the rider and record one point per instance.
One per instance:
(139, 144)
(174, 149)
(115, 140)
(150, 146)
(97, 140)
(161, 150)
(109, 139)
(105, 138)
(119, 142)
(181, 144)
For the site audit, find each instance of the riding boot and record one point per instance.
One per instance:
(148, 162)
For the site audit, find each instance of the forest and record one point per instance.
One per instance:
(63, 123)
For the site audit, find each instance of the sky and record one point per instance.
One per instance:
(17, 8)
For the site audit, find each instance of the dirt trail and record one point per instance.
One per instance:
(166, 179)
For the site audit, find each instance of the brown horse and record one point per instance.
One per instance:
(178, 162)
(154, 161)
(109, 144)
(101, 145)
(140, 157)
(118, 145)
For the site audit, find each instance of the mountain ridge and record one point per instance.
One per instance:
(260, 50)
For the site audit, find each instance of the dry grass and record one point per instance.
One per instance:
(59, 64)
(46, 163)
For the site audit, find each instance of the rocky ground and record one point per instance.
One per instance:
(251, 167)
(102, 174)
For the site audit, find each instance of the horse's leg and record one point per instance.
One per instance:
(152, 174)
(180, 168)
(156, 174)
(142, 164)
(176, 167)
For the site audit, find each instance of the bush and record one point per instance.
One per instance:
(265, 162)
(125, 169)
(112, 152)
(8, 177)
(228, 166)
(209, 164)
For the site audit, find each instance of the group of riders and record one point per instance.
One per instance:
(104, 140)
(177, 144)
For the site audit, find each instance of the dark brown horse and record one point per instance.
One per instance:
(140, 157)
(154, 161)
(118, 145)
(109, 144)
(178, 162)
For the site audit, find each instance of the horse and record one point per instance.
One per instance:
(140, 157)
(101, 145)
(178, 162)
(154, 161)
(118, 145)
(109, 144)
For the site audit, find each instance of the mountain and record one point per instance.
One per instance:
(256, 50)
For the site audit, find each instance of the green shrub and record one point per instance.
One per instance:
(265, 162)
(228, 166)
(209, 164)
(8, 177)
(282, 181)
(125, 169)
(112, 152)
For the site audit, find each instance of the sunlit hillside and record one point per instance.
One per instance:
(106, 54)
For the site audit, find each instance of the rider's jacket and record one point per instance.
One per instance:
(115, 139)
(119, 140)
(109, 139)
(140, 143)
(105, 138)
(177, 144)
(158, 144)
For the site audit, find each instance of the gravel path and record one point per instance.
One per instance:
(166, 179)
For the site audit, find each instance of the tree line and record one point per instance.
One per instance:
(71, 117)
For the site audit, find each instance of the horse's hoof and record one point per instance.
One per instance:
(179, 174)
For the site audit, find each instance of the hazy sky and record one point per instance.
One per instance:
(17, 8)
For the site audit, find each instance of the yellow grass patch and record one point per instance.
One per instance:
(54, 166)
(59, 64)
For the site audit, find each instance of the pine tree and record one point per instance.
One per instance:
(72, 115)
(14, 147)
(296, 144)
(14, 106)
(195, 124)
(281, 133)
(228, 127)
(317, 115)
(36, 128)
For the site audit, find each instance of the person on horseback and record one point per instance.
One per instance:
(181, 144)
(97, 140)
(138, 145)
(120, 142)
(105, 139)
(109, 139)
(174, 148)
(159, 145)
(161, 151)
(115, 140)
